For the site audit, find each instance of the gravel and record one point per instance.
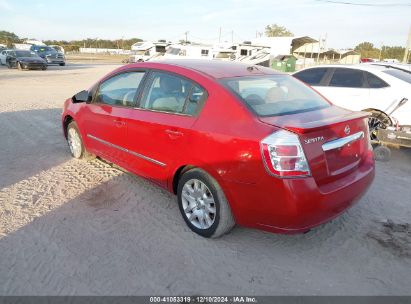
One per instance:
(71, 227)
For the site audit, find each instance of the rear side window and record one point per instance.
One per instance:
(171, 93)
(375, 82)
(195, 100)
(275, 95)
(347, 78)
(312, 76)
(120, 90)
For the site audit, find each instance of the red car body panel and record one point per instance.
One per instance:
(224, 140)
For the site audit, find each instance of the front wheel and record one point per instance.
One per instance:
(203, 204)
(75, 142)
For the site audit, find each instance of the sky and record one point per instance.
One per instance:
(344, 26)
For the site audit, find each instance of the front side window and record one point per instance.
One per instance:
(170, 93)
(120, 90)
(275, 95)
(312, 76)
(347, 78)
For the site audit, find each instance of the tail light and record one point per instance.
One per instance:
(283, 155)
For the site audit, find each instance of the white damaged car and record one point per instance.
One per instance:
(377, 89)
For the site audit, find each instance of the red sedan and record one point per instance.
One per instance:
(237, 144)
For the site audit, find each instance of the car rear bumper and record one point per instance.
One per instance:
(298, 204)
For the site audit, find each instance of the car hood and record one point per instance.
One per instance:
(30, 59)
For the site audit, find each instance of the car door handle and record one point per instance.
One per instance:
(119, 123)
(173, 134)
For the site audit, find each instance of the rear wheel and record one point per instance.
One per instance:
(377, 120)
(382, 153)
(203, 204)
(75, 142)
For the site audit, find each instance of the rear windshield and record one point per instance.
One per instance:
(404, 76)
(275, 94)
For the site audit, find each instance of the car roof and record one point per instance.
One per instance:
(361, 66)
(213, 68)
(372, 67)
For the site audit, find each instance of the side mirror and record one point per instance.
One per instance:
(82, 96)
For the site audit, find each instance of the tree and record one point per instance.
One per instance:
(8, 38)
(275, 30)
(367, 50)
(393, 52)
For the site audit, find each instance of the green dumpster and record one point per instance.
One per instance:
(284, 63)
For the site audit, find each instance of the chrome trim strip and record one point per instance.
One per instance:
(341, 142)
(128, 151)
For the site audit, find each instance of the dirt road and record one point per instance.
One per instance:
(70, 227)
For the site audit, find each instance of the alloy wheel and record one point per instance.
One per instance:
(198, 204)
(74, 142)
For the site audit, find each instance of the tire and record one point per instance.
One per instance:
(62, 64)
(199, 194)
(19, 66)
(44, 68)
(75, 142)
(377, 120)
(9, 66)
(382, 153)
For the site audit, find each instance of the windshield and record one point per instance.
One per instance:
(25, 54)
(275, 94)
(44, 49)
(404, 76)
(173, 51)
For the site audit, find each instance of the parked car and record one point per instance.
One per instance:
(368, 87)
(362, 60)
(25, 60)
(49, 54)
(236, 143)
(3, 56)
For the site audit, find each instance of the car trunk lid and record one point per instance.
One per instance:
(335, 140)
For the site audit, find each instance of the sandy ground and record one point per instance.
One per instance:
(70, 227)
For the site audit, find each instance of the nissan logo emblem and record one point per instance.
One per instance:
(347, 129)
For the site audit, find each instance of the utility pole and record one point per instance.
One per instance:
(382, 45)
(407, 47)
(219, 36)
(186, 33)
(232, 36)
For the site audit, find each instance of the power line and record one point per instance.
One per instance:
(366, 4)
